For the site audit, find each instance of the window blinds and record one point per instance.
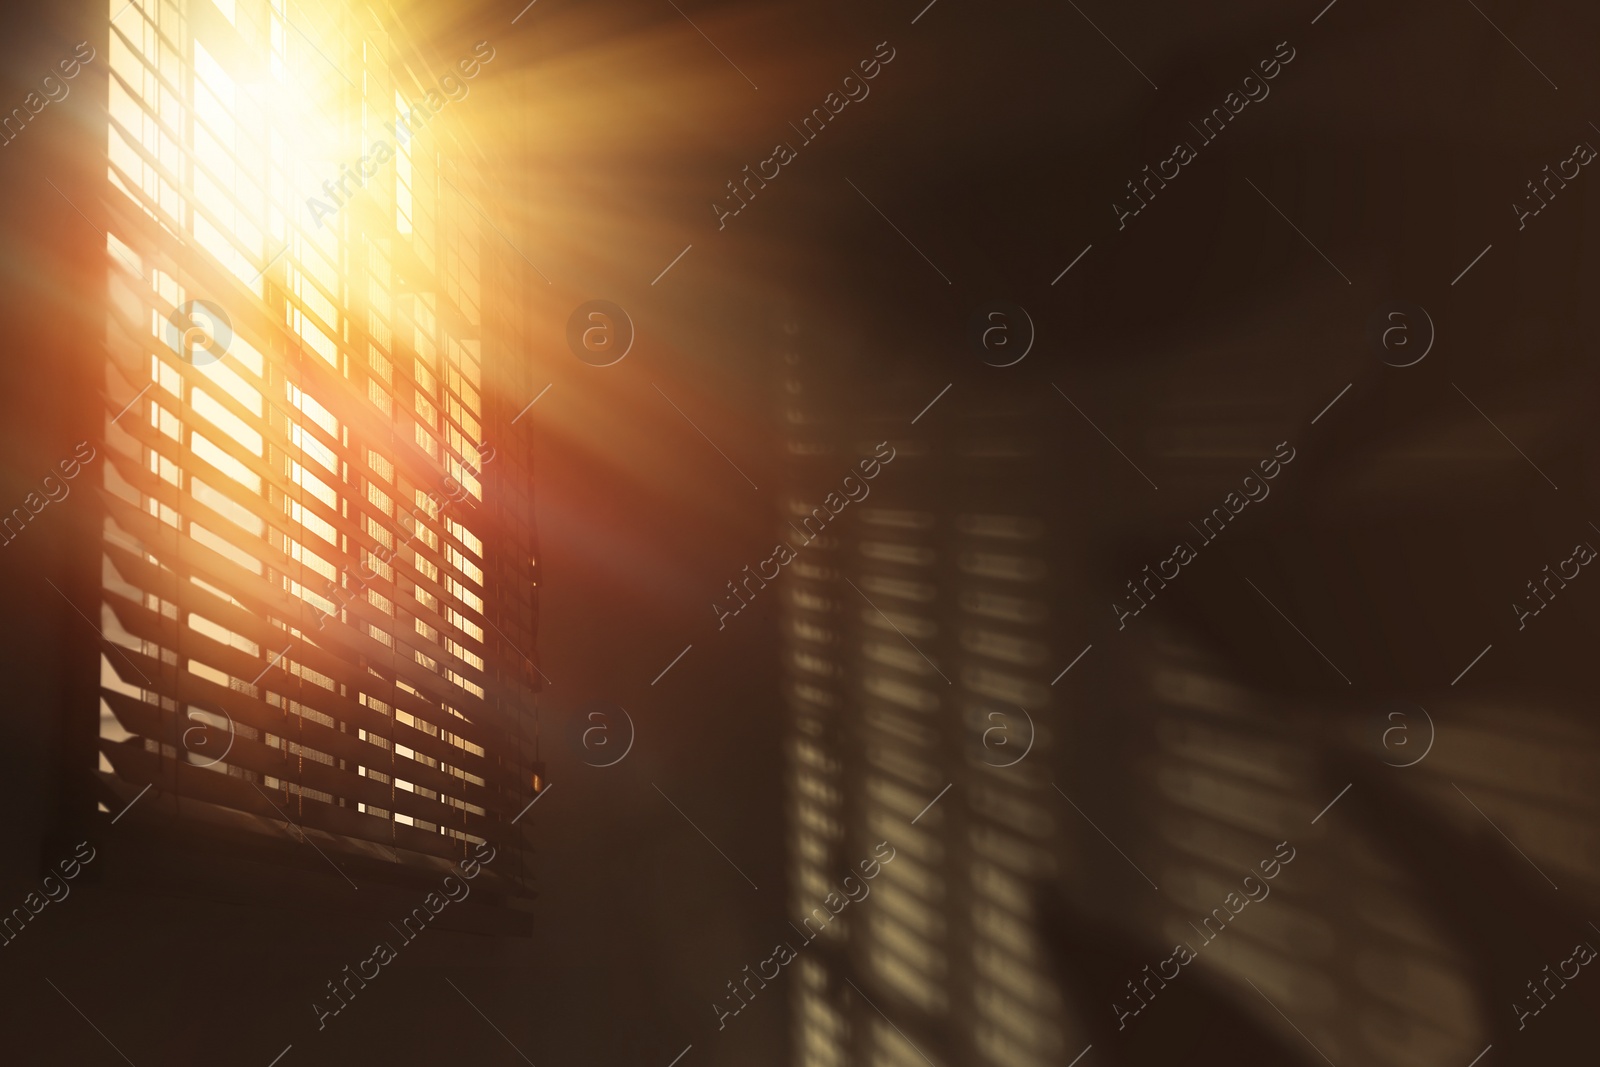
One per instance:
(303, 513)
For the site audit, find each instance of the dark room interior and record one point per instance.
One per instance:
(1024, 535)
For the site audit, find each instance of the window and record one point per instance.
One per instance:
(294, 589)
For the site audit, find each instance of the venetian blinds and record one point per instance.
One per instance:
(299, 495)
